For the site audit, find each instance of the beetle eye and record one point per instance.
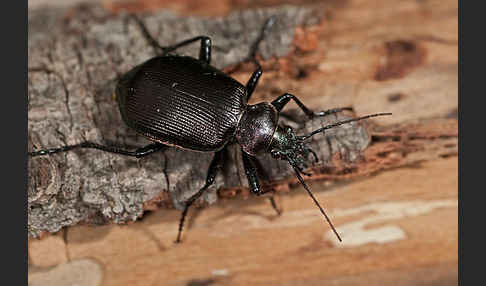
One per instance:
(276, 154)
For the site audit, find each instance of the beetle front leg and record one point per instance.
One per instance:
(215, 165)
(282, 100)
(251, 172)
(138, 153)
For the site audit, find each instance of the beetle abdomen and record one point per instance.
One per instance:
(181, 101)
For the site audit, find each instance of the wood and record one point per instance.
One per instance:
(243, 243)
(396, 208)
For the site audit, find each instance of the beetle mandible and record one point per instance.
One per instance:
(184, 102)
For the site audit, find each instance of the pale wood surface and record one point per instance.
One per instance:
(243, 243)
(397, 210)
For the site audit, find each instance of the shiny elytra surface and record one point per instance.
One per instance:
(181, 101)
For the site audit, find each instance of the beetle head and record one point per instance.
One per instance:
(286, 146)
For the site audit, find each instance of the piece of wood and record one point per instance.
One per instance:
(396, 207)
(398, 227)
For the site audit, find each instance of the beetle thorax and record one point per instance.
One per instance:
(256, 128)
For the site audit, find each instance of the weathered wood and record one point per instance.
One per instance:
(391, 235)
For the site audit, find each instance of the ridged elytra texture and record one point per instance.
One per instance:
(181, 101)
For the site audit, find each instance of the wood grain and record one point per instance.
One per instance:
(243, 243)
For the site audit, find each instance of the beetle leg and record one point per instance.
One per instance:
(204, 52)
(274, 205)
(254, 47)
(251, 57)
(282, 100)
(251, 171)
(252, 82)
(140, 152)
(215, 165)
(157, 47)
(149, 149)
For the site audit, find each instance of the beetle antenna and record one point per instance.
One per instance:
(297, 172)
(307, 136)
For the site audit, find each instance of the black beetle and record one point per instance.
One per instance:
(185, 102)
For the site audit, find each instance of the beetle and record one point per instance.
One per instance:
(185, 102)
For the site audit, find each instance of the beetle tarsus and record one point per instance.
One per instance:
(152, 42)
(274, 206)
(256, 44)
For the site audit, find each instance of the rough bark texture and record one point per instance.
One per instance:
(74, 61)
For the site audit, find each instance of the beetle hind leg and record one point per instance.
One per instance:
(155, 45)
(138, 153)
